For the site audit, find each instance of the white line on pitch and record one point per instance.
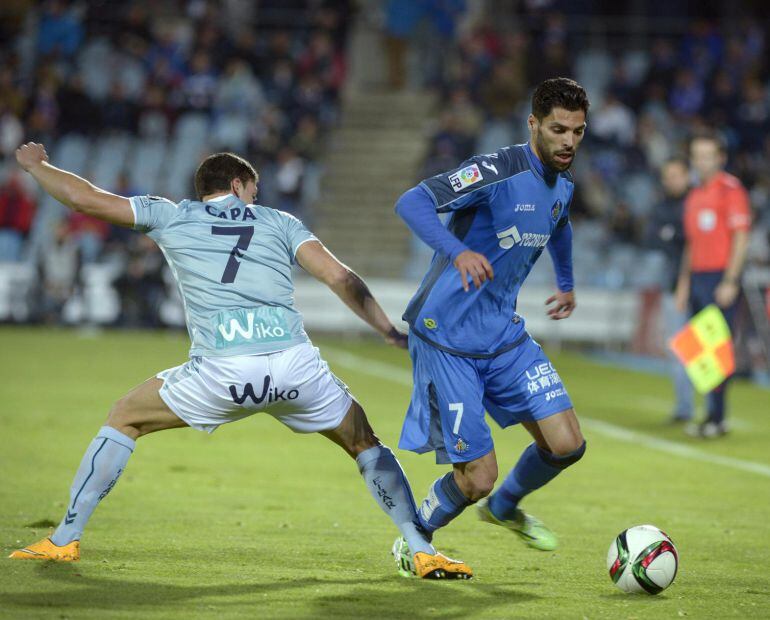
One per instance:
(391, 372)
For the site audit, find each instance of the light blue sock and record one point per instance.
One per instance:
(535, 468)
(104, 461)
(444, 502)
(390, 489)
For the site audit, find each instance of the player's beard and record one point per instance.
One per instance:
(549, 155)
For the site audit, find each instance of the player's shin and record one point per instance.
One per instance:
(444, 502)
(388, 485)
(535, 468)
(101, 466)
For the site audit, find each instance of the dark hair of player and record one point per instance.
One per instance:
(558, 93)
(711, 135)
(217, 171)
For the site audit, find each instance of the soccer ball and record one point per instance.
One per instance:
(642, 559)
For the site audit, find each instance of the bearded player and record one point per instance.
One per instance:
(470, 350)
(232, 262)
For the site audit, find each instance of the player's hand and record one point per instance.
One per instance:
(31, 154)
(563, 305)
(476, 266)
(397, 339)
(726, 293)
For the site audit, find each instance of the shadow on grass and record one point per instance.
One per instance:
(354, 596)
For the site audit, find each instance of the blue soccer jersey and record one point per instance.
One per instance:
(506, 206)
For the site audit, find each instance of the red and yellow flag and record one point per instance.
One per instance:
(705, 347)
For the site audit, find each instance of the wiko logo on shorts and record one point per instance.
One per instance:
(511, 236)
(242, 326)
(269, 394)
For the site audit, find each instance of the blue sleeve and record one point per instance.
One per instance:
(560, 248)
(474, 182)
(417, 208)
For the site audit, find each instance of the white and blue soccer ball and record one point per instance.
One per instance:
(642, 559)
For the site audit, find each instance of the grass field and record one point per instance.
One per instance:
(257, 522)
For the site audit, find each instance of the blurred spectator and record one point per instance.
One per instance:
(89, 234)
(201, 84)
(17, 208)
(288, 181)
(140, 287)
(11, 132)
(665, 238)
(119, 113)
(59, 30)
(58, 276)
(78, 113)
(401, 19)
(613, 122)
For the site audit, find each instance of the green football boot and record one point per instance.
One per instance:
(530, 529)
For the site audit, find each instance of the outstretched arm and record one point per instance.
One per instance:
(314, 258)
(73, 191)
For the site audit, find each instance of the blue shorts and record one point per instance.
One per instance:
(451, 393)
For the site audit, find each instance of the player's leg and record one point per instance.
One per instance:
(536, 398)
(446, 416)
(702, 289)
(140, 412)
(390, 488)
(558, 444)
(323, 404)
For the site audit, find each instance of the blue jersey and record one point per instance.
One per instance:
(505, 205)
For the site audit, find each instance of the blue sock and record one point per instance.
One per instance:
(444, 502)
(104, 461)
(535, 468)
(390, 489)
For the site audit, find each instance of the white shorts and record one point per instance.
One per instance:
(294, 385)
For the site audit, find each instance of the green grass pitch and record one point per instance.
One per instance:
(256, 522)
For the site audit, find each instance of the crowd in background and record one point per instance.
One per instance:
(176, 78)
(132, 94)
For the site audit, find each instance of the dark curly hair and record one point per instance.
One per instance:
(217, 171)
(558, 93)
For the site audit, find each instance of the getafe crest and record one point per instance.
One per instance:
(461, 445)
(555, 210)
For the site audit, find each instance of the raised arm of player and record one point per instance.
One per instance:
(320, 263)
(560, 248)
(73, 191)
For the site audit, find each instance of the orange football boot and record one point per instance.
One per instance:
(46, 550)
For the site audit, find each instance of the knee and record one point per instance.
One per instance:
(565, 454)
(478, 484)
(121, 418)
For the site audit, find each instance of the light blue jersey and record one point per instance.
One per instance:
(232, 264)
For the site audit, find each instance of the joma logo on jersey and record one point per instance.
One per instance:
(271, 394)
(526, 207)
(512, 236)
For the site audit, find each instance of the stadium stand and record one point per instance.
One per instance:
(133, 95)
